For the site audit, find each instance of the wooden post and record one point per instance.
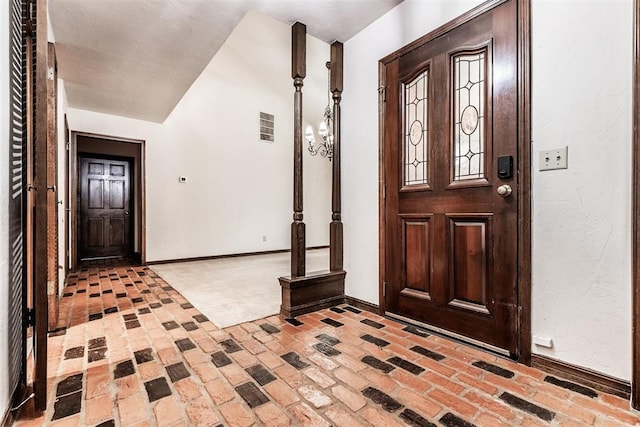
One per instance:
(301, 293)
(52, 190)
(298, 72)
(41, 210)
(335, 228)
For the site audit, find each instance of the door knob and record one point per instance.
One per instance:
(127, 212)
(504, 190)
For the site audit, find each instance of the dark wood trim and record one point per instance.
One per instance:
(443, 29)
(298, 73)
(524, 182)
(587, 377)
(243, 254)
(41, 219)
(336, 227)
(53, 288)
(524, 160)
(142, 211)
(362, 305)
(109, 137)
(65, 204)
(72, 225)
(302, 295)
(382, 210)
(635, 375)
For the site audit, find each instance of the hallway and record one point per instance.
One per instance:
(131, 351)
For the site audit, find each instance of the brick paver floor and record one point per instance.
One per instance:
(131, 351)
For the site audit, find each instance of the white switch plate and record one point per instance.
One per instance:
(554, 159)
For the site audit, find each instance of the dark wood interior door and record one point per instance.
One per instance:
(105, 220)
(450, 144)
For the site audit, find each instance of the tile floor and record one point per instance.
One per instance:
(131, 351)
(237, 289)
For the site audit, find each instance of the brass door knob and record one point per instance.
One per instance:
(504, 190)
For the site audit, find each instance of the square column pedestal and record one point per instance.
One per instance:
(313, 292)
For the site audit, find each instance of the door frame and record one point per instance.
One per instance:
(523, 352)
(140, 201)
(635, 278)
(130, 161)
(66, 203)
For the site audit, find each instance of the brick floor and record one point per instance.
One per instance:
(131, 351)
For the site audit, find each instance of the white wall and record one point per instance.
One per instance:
(581, 219)
(405, 23)
(4, 204)
(581, 96)
(238, 189)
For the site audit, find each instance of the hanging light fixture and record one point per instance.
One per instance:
(325, 128)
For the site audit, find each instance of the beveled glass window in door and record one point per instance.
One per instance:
(416, 130)
(469, 106)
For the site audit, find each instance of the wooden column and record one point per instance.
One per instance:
(301, 293)
(298, 72)
(52, 190)
(41, 210)
(335, 228)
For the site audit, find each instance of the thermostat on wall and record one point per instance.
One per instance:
(182, 179)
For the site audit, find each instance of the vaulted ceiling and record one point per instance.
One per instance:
(137, 58)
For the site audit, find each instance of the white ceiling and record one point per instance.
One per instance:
(137, 58)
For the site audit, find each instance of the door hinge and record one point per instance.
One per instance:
(384, 289)
(50, 73)
(31, 317)
(382, 91)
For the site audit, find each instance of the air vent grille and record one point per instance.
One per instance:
(266, 127)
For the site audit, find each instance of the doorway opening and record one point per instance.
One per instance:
(107, 199)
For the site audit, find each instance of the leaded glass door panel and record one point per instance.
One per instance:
(449, 114)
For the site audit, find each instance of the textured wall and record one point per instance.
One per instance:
(582, 215)
(581, 220)
(238, 189)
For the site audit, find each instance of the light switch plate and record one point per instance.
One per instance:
(554, 159)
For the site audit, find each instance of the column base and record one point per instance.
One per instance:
(310, 293)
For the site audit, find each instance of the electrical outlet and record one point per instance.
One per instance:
(543, 341)
(554, 159)
(182, 179)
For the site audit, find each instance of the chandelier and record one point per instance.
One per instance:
(325, 128)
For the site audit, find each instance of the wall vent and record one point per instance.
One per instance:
(266, 127)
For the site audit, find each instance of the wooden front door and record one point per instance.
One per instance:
(450, 195)
(105, 220)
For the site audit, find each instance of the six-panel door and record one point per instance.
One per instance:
(104, 208)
